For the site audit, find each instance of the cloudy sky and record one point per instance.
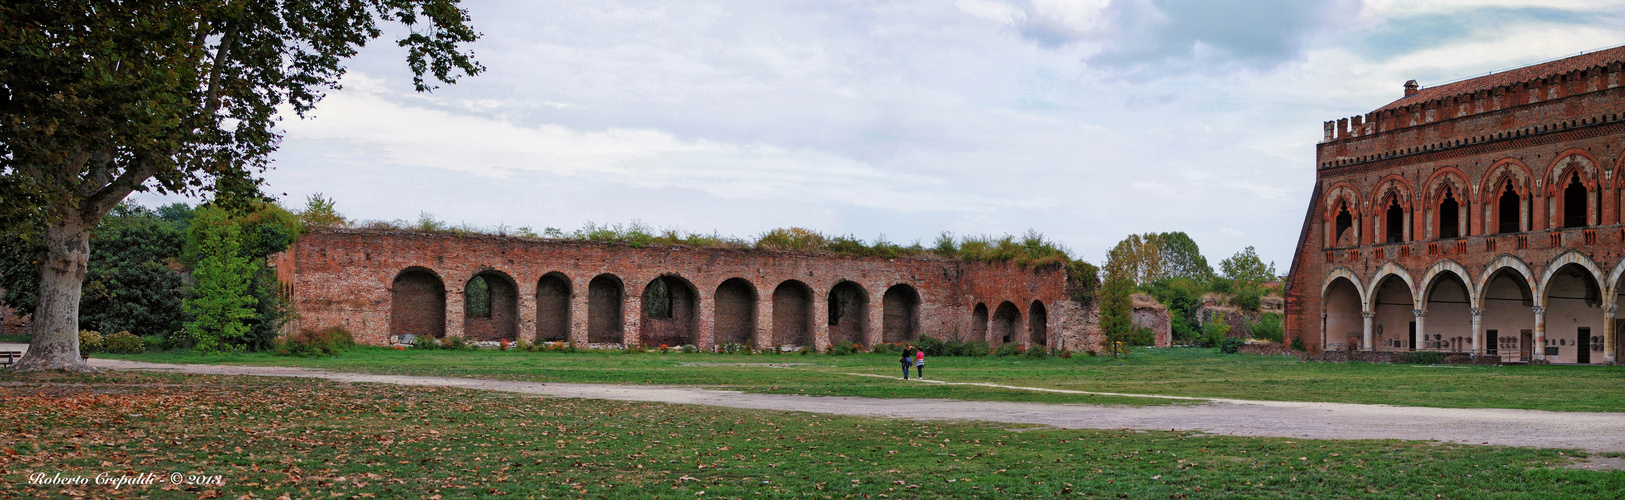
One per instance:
(1087, 120)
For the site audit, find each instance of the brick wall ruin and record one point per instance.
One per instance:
(383, 283)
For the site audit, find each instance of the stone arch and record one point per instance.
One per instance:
(1505, 195)
(734, 321)
(1342, 303)
(1389, 225)
(1566, 167)
(417, 303)
(553, 292)
(1006, 323)
(978, 322)
(1502, 172)
(1444, 192)
(1348, 274)
(605, 299)
(1504, 261)
(670, 312)
(490, 306)
(1429, 278)
(792, 314)
(1571, 257)
(848, 312)
(1388, 269)
(1342, 216)
(901, 314)
(1393, 303)
(1613, 278)
(1038, 324)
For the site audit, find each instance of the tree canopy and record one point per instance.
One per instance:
(1245, 266)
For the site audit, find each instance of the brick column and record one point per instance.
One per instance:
(706, 319)
(1365, 342)
(454, 311)
(1538, 350)
(820, 321)
(763, 337)
(578, 312)
(526, 311)
(874, 330)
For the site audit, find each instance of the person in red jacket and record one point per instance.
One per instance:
(919, 364)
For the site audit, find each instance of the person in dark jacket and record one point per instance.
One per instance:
(907, 359)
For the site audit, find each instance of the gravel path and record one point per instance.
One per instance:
(1594, 432)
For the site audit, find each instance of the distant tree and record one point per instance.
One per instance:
(1182, 259)
(320, 212)
(101, 98)
(1245, 266)
(1116, 306)
(1138, 258)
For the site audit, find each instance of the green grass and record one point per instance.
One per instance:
(1175, 372)
(19, 338)
(308, 439)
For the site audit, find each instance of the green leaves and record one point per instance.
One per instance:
(220, 301)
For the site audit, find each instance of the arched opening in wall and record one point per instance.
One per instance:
(1006, 322)
(1449, 216)
(1509, 315)
(1393, 322)
(1509, 210)
(1038, 324)
(1449, 325)
(792, 314)
(490, 307)
(1344, 327)
(1573, 316)
(553, 308)
(604, 320)
(669, 306)
(1574, 202)
(978, 323)
(901, 307)
(735, 318)
(848, 312)
(1394, 222)
(1345, 222)
(417, 304)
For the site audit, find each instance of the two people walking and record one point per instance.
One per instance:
(916, 357)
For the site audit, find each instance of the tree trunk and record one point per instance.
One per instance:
(55, 330)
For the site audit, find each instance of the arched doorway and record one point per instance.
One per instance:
(1573, 316)
(1393, 322)
(734, 321)
(978, 323)
(553, 308)
(848, 312)
(792, 314)
(1509, 316)
(1344, 327)
(1006, 322)
(1449, 326)
(604, 320)
(1038, 324)
(669, 306)
(490, 307)
(417, 304)
(901, 306)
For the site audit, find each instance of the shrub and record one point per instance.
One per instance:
(974, 348)
(325, 342)
(1011, 349)
(689, 349)
(1215, 331)
(842, 348)
(1037, 352)
(1297, 343)
(1422, 357)
(454, 343)
(1222, 285)
(125, 343)
(1248, 296)
(894, 348)
(521, 344)
(90, 341)
(1231, 345)
(426, 343)
(732, 348)
(153, 341)
(1268, 328)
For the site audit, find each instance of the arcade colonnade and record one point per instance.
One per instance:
(1563, 313)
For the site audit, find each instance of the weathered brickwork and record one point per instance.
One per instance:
(383, 283)
(1480, 217)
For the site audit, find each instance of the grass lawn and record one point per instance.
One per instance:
(314, 439)
(1178, 372)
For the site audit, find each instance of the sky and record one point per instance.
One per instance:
(1086, 120)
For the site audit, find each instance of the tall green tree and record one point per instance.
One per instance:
(101, 98)
(1181, 258)
(1246, 267)
(1138, 258)
(221, 301)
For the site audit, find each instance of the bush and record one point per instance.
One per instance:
(1214, 332)
(1222, 285)
(894, 348)
(975, 349)
(1297, 343)
(1248, 296)
(1037, 352)
(1231, 345)
(325, 342)
(426, 343)
(689, 349)
(1268, 328)
(522, 345)
(731, 348)
(1011, 349)
(842, 348)
(125, 343)
(90, 341)
(938, 347)
(1422, 357)
(455, 343)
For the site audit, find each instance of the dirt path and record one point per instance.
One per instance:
(1596, 432)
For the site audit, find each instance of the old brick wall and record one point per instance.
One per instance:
(594, 293)
(1534, 135)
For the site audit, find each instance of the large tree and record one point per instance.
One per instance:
(101, 98)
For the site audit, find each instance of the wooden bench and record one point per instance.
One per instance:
(9, 357)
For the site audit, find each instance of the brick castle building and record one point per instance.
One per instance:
(1478, 217)
(380, 284)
